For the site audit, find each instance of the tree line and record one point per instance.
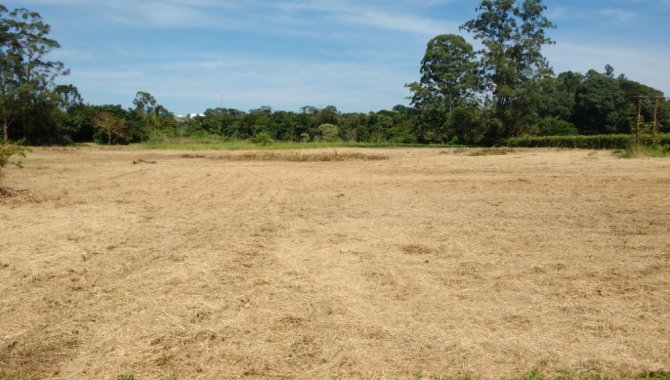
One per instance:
(504, 90)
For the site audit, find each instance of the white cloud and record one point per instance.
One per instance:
(247, 82)
(403, 23)
(619, 15)
(269, 16)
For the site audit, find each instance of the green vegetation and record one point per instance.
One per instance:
(263, 138)
(641, 151)
(200, 141)
(10, 154)
(614, 141)
(488, 97)
(492, 152)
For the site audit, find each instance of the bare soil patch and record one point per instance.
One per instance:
(249, 265)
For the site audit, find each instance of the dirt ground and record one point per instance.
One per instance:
(429, 263)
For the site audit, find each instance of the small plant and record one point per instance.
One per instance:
(329, 133)
(10, 154)
(641, 151)
(492, 152)
(126, 376)
(263, 138)
(304, 137)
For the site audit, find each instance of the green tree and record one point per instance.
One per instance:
(146, 107)
(653, 106)
(109, 123)
(449, 79)
(600, 104)
(557, 96)
(329, 133)
(448, 74)
(69, 114)
(328, 115)
(27, 74)
(551, 126)
(67, 97)
(512, 36)
(263, 138)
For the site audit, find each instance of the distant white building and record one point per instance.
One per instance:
(189, 116)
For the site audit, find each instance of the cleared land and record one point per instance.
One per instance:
(174, 265)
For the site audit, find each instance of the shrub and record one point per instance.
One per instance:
(304, 137)
(263, 138)
(7, 151)
(640, 151)
(329, 133)
(491, 152)
(584, 142)
(551, 126)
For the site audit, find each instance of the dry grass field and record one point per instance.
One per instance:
(377, 264)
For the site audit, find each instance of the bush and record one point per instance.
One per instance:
(263, 138)
(640, 151)
(329, 133)
(469, 126)
(304, 137)
(7, 151)
(550, 126)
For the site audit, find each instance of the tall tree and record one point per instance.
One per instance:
(26, 73)
(600, 104)
(448, 74)
(111, 128)
(67, 96)
(512, 36)
(449, 79)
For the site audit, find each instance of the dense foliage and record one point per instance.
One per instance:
(505, 90)
(613, 141)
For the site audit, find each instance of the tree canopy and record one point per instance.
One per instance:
(463, 96)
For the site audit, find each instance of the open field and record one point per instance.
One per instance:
(416, 263)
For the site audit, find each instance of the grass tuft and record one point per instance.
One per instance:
(644, 151)
(212, 142)
(491, 152)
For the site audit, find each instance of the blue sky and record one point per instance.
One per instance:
(357, 55)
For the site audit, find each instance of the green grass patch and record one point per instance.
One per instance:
(491, 152)
(644, 151)
(246, 145)
(214, 142)
(585, 142)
